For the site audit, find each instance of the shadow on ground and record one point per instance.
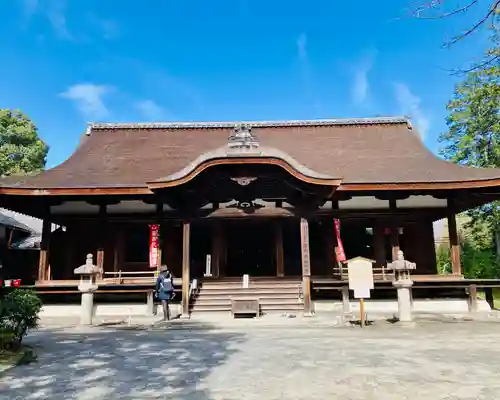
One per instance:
(115, 363)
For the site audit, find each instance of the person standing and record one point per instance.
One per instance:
(165, 290)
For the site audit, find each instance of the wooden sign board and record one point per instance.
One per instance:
(304, 238)
(245, 306)
(360, 272)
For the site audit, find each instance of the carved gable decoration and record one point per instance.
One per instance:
(244, 180)
(242, 139)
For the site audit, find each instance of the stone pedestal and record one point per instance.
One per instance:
(404, 299)
(403, 284)
(87, 287)
(87, 307)
(472, 299)
(151, 306)
(346, 305)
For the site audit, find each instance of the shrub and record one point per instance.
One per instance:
(443, 258)
(19, 312)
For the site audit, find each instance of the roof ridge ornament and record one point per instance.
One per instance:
(242, 138)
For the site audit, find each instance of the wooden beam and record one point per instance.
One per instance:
(403, 215)
(278, 241)
(306, 265)
(43, 264)
(185, 268)
(454, 241)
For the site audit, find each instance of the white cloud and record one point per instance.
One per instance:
(30, 7)
(361, 85)
(54, 11)
(88, 98)
(409, 104)
(307, 74)
(105, 28)
(110, 29)
(150, 110)
(302, 46)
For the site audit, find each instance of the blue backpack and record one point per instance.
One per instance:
(166, 284)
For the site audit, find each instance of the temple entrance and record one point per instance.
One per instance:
(250, 248)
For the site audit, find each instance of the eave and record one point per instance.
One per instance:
(470, 184)
(68, 191)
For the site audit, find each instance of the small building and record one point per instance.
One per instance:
(260, 198)
(19, 244)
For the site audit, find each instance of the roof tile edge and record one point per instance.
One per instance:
(255, 124)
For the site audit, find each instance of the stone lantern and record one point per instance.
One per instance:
(403, 283)
(87, 287)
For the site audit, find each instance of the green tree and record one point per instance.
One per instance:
(473, 139)
(21, 149)
(443, 258)
(473, 136)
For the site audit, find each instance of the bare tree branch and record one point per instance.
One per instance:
(433, 4)
(490, 13)
(492, 10)
(475, 67)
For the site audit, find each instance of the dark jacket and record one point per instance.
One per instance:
(164, 294)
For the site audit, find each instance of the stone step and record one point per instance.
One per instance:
(252, 279)
(252, 282)
(248, 292)
(259, 295)
(265, 308)
(240, 287)
(261, 301)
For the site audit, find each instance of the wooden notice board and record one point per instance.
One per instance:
(360, 272)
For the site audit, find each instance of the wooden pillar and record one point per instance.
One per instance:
(454, 242)
(278, 242)
(379, 244)
(216, 248)
(185, 268)
(101, 238)
(43, 264)
(306, 265)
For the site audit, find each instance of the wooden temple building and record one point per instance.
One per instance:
(258, 198)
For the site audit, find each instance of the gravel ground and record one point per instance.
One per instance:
(295, 359)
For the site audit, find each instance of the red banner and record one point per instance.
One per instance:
(154, 241)
(340, 247)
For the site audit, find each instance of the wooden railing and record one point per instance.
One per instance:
(121, 277)
(379, 273)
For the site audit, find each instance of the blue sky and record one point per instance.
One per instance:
(67, 62)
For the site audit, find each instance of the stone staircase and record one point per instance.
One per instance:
(276, 295)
